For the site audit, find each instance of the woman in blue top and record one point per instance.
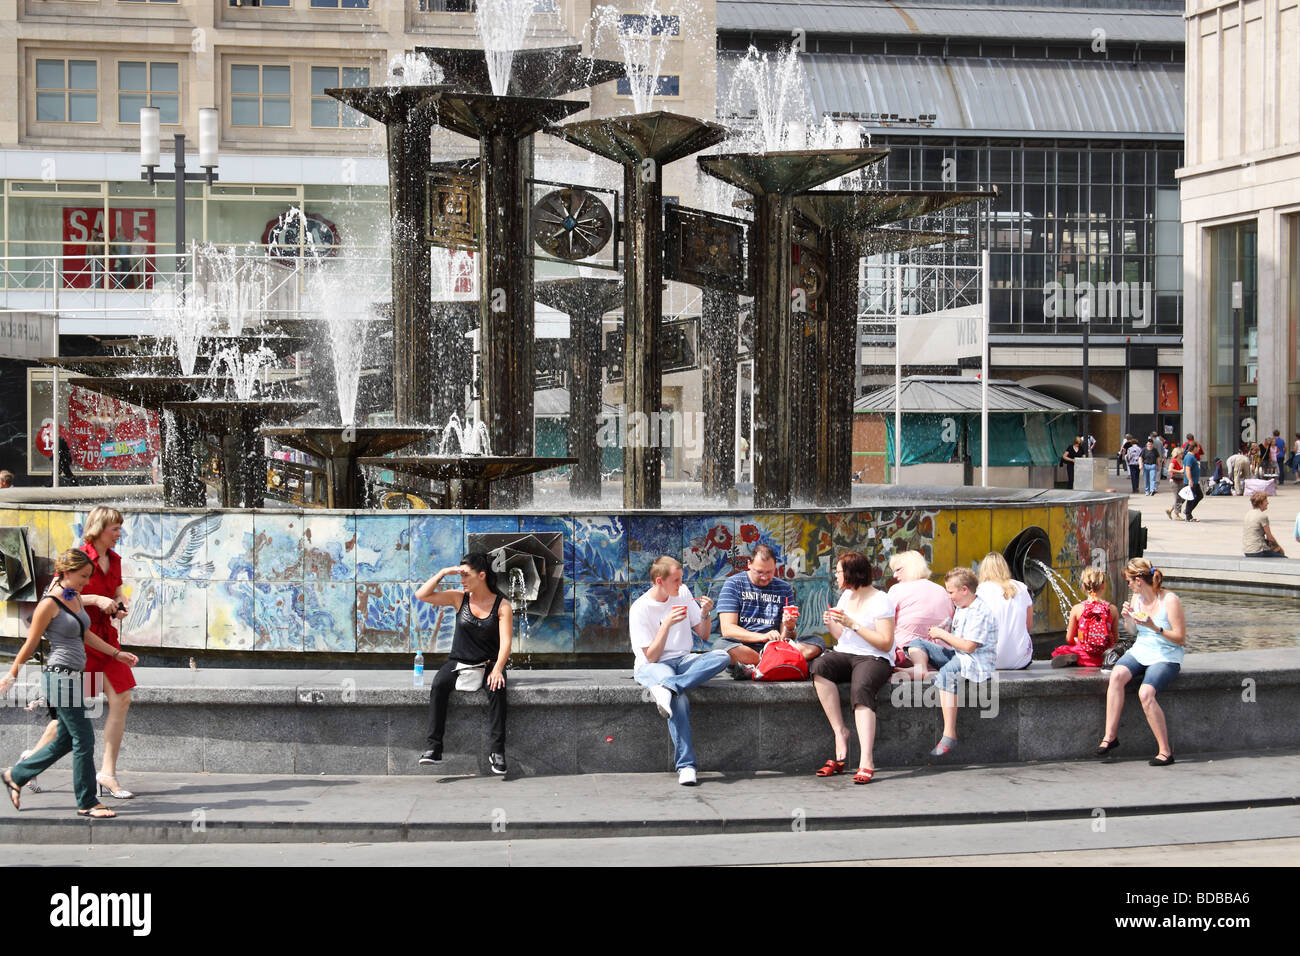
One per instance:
(1156, 656)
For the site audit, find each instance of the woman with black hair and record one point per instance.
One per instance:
(484, 625)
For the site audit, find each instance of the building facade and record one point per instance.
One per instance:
(1241, 220)
(1073, 112)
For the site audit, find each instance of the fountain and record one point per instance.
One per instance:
(470, 437)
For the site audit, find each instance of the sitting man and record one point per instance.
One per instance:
(751, 612)
(661, 623)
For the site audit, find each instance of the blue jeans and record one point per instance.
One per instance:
(1149, 478)
(945, 659)
(679, 675)
(76, 734)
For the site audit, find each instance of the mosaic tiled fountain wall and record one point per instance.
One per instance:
(341, 582)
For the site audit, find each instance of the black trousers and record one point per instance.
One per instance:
(1133, 472)
(444, 682)
(1197, 495)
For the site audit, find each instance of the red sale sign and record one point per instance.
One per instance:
(108, 248)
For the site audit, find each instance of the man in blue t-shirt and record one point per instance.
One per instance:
(751, 612)
(1192, 474)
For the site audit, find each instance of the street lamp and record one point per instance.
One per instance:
(150, 123)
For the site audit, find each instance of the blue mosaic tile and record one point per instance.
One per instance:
(489, 524)
(329, 548)
(230, 616)
(384, 616)
(143, 622)
(230, 548)
(814, 596)
(598, 549)
(184, 606)
(141, 536)
(383, 548)
(552, 633)
(183, 553)
(708, 547)
(278, 624)
(329, 616)
(432, 626)
(648, 537)
(437, 541)
(601, 619)
(277, 547)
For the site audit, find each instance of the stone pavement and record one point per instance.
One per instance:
(261, 809)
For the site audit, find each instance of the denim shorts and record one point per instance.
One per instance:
(1159, 675)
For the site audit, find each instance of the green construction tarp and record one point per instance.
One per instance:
(1014, 439)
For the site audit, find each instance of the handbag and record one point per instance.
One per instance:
(781, 660)
(1112, 656)
(469, 677)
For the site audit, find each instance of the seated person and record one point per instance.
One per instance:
(1094, 625)
(973, 654)
(920, 604)
(751, 612)
(1257, 539)
(663, 624)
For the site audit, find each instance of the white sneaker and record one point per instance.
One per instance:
(663, 699)
(686, 777)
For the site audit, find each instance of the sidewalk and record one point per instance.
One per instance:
(234, 808)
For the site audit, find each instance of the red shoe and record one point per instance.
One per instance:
(863, 775)
(830, 768)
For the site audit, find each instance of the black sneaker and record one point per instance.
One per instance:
(498, 762)
(431, 756)
(741, 671)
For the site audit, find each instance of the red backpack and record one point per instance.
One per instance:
(781, 660)
(1094, 626)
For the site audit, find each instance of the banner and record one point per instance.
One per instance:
(126, 263)
(941, 338)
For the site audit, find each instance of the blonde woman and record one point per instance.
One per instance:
(1012, 608)
(61, 618)
(920, 605)
(105, 602)
(1156, 656)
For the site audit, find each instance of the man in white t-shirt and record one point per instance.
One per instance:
(663, 624)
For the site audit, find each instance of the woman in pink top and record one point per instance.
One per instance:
(921, 604)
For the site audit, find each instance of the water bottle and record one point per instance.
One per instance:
(419, 669)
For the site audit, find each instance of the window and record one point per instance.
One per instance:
(259, 3)
(641, 24)
(344, 4)
(141, 84)
(67, 91)
(664, 86)
(148, 1)
(259, 95)
(327, 111)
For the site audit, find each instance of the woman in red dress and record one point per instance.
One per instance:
(102, 529)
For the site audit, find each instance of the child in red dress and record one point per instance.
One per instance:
(1094, 625)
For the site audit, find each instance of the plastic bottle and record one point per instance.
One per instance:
(419, 669)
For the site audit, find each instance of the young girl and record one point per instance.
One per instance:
(61, 617)
(1094, 625)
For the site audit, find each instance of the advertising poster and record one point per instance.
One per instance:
(1167, 392)
(128, 262)
(103, 434)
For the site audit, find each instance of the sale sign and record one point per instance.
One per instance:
(108, 248)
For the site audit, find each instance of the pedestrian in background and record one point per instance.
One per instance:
(1150, 467)
(1134, 458)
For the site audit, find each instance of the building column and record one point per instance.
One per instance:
(1273, 343)
(1196, 332)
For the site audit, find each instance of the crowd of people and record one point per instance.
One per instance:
(966, 629)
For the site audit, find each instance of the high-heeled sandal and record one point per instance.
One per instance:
(831, 767)
(863, 775)
(106, 789)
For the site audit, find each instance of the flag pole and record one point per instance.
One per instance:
(984, 367)
(898, 372)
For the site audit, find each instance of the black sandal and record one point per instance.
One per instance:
(15, 791)
(1107, 747)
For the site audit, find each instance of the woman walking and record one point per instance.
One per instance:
(862, 624)
(484, 626)
(61, 618)
(100, 534)
(1156, 656)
